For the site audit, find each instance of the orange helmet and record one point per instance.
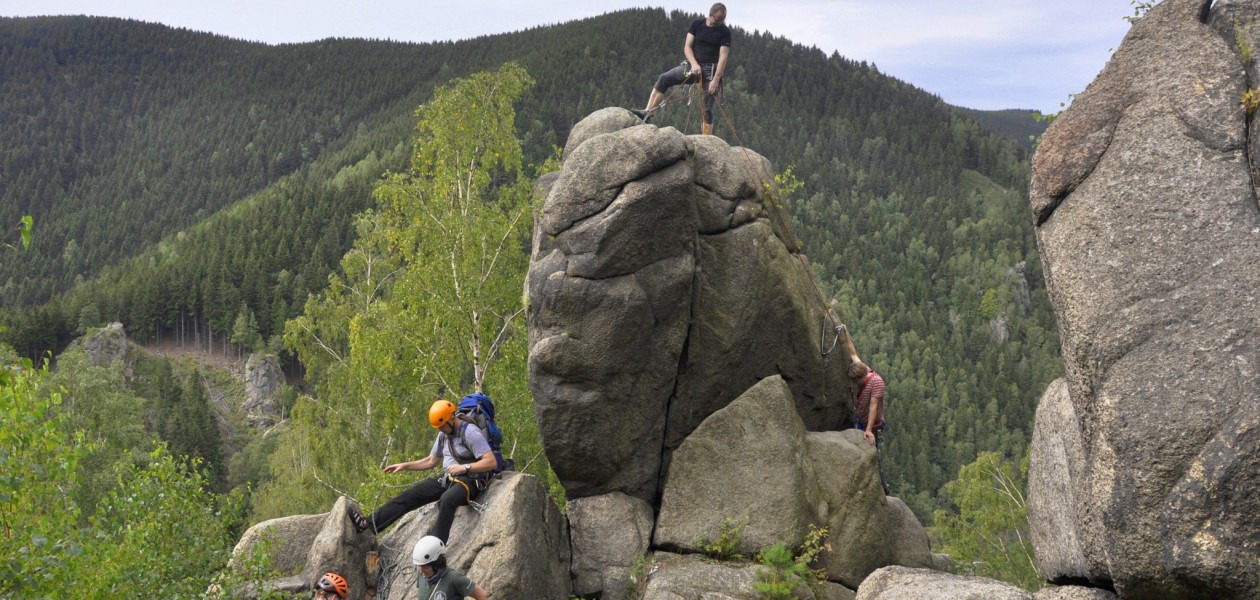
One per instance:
(441, 412)
(332, 582)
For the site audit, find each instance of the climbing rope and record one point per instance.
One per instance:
(778, 213)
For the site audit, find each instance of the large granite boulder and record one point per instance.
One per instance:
(745, 467)
(692, 577)
(753, 466)
(337, 548)
(609, 535)
(1148, 227)
(1055, 521)
(1073, 592)
(303, 547)
(515, 546)
(855, 509)
(909, 541)
(660, 288)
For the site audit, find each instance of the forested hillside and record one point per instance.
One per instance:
(180, 181)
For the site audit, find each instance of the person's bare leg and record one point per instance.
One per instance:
(654, 100)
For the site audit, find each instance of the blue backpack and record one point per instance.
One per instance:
(477, 409)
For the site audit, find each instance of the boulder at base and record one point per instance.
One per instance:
(287, 539)
(745, 467)
(753, 467)
(610, 535)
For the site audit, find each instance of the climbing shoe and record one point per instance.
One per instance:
(642, 114)
(357, 518)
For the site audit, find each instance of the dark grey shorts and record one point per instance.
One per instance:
(675, 76)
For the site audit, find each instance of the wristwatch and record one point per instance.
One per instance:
(467, 470)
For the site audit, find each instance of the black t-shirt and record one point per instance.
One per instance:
(709, 40)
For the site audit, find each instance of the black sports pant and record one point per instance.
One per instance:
(449, 493)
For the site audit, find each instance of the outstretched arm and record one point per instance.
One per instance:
(422, 464)
(848, 343)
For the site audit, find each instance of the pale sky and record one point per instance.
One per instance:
(986, 54)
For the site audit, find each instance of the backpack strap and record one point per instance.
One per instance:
(461, 458)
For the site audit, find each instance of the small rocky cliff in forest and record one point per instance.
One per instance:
(690, 389)
(1145, 472)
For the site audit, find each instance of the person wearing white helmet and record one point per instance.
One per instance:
(436, 581)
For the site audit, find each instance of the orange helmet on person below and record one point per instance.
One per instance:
(332, 582)
(441, 412)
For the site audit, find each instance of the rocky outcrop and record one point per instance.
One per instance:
(515, 546)
(1149, 232)
(686, 374)
(660, 289)
(108, 345)
(263, 379)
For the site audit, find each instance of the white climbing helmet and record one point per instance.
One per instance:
(427, 550)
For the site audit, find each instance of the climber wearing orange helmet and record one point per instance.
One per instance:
(331, 585)
(464, 455)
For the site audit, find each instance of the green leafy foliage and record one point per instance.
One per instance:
(787, 571)
(39, 535)
(1140, 8)
(160, 531)
(726, 545)
(99, 406)
(988, 535)
(166, 532)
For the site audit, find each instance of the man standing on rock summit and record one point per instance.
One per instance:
(707, 48)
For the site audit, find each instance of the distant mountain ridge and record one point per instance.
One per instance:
(1021, 126)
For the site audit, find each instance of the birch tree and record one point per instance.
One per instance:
(427, 304)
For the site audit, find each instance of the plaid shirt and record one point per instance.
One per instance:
(874, 388)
